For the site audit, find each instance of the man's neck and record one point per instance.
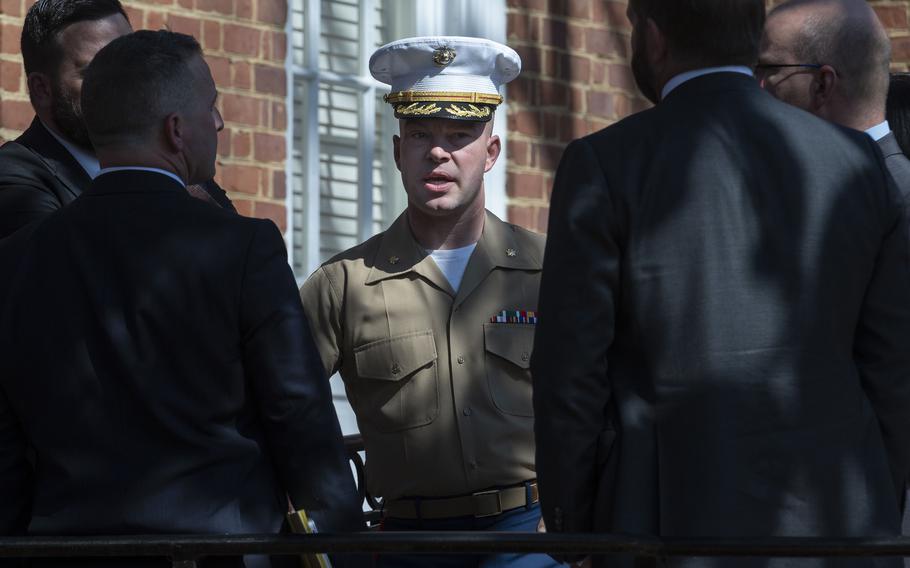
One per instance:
(455, 230)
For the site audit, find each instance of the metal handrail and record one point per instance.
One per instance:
(187, 548)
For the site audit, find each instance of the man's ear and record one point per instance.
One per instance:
(40, 91)
(656, 42)
(396, 150)
(494, 148)
(823, 86)
(174, 132)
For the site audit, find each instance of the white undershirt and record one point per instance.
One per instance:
(689, 75)
(171, 175)
(452, 263)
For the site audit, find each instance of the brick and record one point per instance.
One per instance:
(525, 122)
(156, 21)
(574, 68)
(269, 147)
(273, 211)
(271, 80)
(581, 8)
(537, 5)
(224, 143)
(244, 207)
(244, 9)
(577, 101)
(279, 184)
(551, 93)
(622, 78)
(241, 75)
(892, 16)
(242, 40)
(606, 43)
(521, 215)
(279, 116)
(518, 25)
(185, 4)
(272, 12)
(900, 48)
(527, 185)
(279, 46)
(598, 72)
(552, 32)
(241, 109)
(530, 58)
(548, 156)
(600, 104)
(241, 144)
(557, 8)
(10, 76)
(9, 38)
(225, 7)
(221, 70)
(572, 128)
(211, 35)
(543, 219)
(613, 13)
(522, 91)
(135, 16)
(183, 25)
(11, 8)
(519, 153)
(15, 115)
(549, 58)
(161, 2)
(576, 35)
(244, 179)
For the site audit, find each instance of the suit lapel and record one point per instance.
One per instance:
(57, 159)
(889, 146)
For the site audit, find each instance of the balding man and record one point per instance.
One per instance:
(832, 58)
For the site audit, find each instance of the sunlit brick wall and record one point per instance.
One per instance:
(576, 80)
(245, 46)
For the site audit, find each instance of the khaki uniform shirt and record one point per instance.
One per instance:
(442, 395)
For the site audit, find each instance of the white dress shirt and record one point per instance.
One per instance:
(688, 75)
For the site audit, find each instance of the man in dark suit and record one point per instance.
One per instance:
(832, 58)
(153, 348)
(722, 350)
(53, 161)
(843, 75)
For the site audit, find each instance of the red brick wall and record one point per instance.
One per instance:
(245, 46)
(576, 80)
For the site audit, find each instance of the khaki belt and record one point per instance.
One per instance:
(480, 504)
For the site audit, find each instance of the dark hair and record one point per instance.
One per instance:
(47, 18)
(135, 81)
(708, 32)
(898, 109)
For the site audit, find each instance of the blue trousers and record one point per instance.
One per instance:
(523, 519)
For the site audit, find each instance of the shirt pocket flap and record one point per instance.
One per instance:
(512, 342)
(395, 358)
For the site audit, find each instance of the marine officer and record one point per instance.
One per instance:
(431, 322)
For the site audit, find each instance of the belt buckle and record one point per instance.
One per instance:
(482, 494)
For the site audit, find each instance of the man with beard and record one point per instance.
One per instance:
(723, 345)
(53, 161)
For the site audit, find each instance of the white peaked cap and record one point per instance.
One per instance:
(445, 76)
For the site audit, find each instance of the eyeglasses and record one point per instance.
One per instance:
(762, 69)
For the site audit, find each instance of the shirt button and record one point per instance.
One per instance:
(395, 369)
(525, 356)
(461, 359)
(467, 411)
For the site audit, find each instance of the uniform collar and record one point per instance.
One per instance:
(399, 254)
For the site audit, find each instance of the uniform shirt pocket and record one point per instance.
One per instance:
(508, 357)
(396, 385)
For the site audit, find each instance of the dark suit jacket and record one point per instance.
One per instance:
(38, 176)
(723, 346)
(898, 164)
(155, 353)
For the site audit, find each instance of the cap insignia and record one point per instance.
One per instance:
(470, 111)
(443, 56)
(417, 109)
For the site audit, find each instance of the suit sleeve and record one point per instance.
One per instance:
(295, 401)
(22, 201)
(15, 474)
(883, 336)
(321, 303)
(578, 291)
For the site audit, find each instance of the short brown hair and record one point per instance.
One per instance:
(709, 32)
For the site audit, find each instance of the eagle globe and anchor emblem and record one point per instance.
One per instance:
(443, 56)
